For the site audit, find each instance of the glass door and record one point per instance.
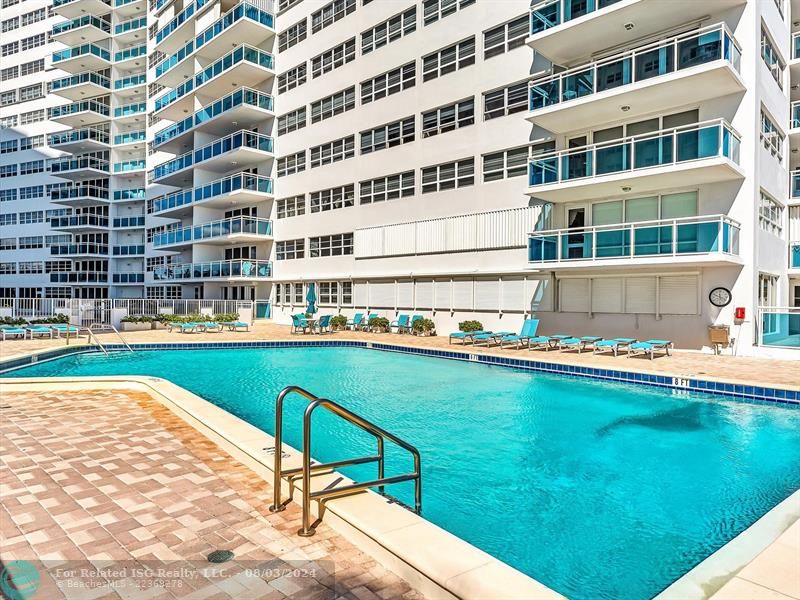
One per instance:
(579, 244)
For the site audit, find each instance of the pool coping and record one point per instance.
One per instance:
(432, 560)
(786, 395)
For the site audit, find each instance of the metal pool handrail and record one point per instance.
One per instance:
(305, 470)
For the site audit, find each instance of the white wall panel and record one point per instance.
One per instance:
(640, 295)
(424, 293)
(405, 294)
(574, 295)
(381, 294)
(487, 294)
(607, 295)
(360, 293)
(441, 294)
(678, 295)
(513, 294)
(462, 294)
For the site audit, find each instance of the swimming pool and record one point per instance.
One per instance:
(596, 489)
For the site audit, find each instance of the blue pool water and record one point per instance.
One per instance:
(598, 490)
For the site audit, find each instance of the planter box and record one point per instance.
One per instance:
(158, 325)
(136, 326)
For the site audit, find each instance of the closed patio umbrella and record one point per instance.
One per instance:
(311, 296)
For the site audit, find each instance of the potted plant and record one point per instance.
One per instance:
(338, 322)
(160, 321)
(470, 326)
(378, 324)
(136, 323)
(423, 327)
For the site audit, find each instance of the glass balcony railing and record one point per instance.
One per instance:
(172, 60)
(552, 13)
(89, 192)
(780, 327)
(128, 277)
(130, 137)
(179, 20)
(129, 53)
(133, 194)
(82, 50)
(120, 3)
(129, 250)
(79, 135)
(78, 107)
(158, 5)
(240, 181)
(80, 79)
(79, 277)
(796, 45)
(668, 237)
(137, 221)
(57, 3)
(79, 221)
(710, 139)
(214, 229)
(634, 66)
(129, 165)
(218, 269)
(130, 25)
(85, 20)
(240, 139)
(128, 110)
(795, 119)
(79, 163)
(239, 97)
(131, 81)
(794, 255)
(87, 248)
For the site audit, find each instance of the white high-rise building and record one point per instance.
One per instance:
(616, 168)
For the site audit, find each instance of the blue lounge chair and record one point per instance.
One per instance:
(211, 326)
(64, 329)
(579, 344)
(401, 324)
(188, 327)
(414, 319)
(12, 332)
(355, 322)
(465, 336)
(365, 322)
(529, 327)
(324, 324)
(615, 345)
(38, 330)
(650, 347)
(539, 341)
(299, 323)
(491, 338)
(236, 325)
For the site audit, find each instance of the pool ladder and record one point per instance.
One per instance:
(307, 469)
(105, 327)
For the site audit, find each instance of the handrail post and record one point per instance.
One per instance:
(276, 475)
(306, 530)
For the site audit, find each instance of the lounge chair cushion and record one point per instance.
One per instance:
(658, 342)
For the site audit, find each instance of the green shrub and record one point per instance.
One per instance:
(12, 321)
(470, 326)
(225, 317)
(136, 319)
(379, 323)
(57, 318)
(339, 322)
(423, 326)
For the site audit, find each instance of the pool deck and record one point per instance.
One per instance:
(687, 364)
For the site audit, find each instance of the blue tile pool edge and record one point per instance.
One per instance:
(740, 391)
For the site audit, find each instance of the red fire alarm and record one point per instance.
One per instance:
(739, 313)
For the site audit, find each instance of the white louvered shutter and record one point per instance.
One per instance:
(574, 295)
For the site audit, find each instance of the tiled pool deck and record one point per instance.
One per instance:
(102, 477)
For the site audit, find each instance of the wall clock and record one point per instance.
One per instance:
(720, 296)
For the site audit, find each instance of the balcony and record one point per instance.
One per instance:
(130, 86)
(134, 112)
(129, 8)
(707, 240)
(244, 65)
(130, 166)
(159, 5)
(72, 9)
(79, 223)
(128, 31)
(85, 195)
(780, 327)
(128, 278)
(79, 277)
(82, 85)
(130, 57)
(689, 68)
(129, 222)
(566, 30)
(242, 188)
(696, 154)
(128, 250)
(241, 150)
(86, 57)
(88, 139)
(794, 255)
(79, 167)
(87, 28)
(132, 195)
(135, 139)
(77, 114)
(165, 41)
(245, 107)
(88, 249)
(230, 270)
(237, 230)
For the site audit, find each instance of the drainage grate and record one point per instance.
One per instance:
(220, 556)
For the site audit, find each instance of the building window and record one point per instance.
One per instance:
(771, 136)
(29, 68)
(57, 240)
(389, 31)
(58, 266)
(57, 292)
(390, 187)
(294, 35)
(289, 249)
(9, 146)
(330, 13)
(448, 60)
(8, 243)
(347, 293)
(292, 78)
(8, 268)
(505, 101)
(8, 218)
(433, 10)
(298, 293)
(33, 42)
(389, 83)
(770, 214)
(29, 242)
(30, 192)
(291, 207)
(328, 292)
(31, 167)
(504, 38)
(31, 142)
(331, 245)
(767, 290)
(292, 121)
(284, 4)
(31, 92)
(387, 136)
(30, 267)
(8, 73)
(505, 164)
(10, 121)
(34, 17)
(9, 49)
(7, 98)
(33, 116)
(30, 217)
(10, 24)
(8, 195)
(333, 58)
(448, 118)
(332, 152)
(448, 176)
(340, 197)
(294, 163)
(333, 105)
(8, 170)
(771, 58)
